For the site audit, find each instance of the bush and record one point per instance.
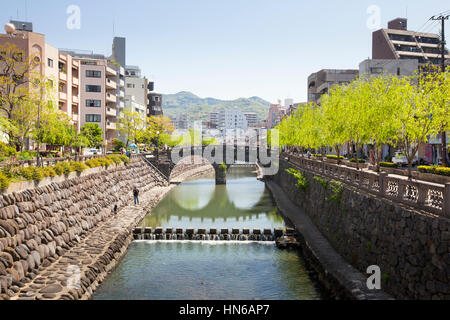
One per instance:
(78, 166)
(388, 164)
(317, 155)
(25, 156)
(7, 151)
(125, 159)
(92, 163)
(442, 171)
(31, 173)
(302, 183)
(63, 168)
(104, 162)
(48, 172)
(115, 159)
(4, 182)
(118, 145)
(334, 157)
(359, 160)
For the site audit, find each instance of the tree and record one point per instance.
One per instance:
(93, 135)
(158, 131)
(23, 90)
(131, 126)
(118, 145)
(420, 113)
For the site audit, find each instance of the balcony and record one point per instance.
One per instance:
(63, 96)
(122, 94)
(110, 71)
(75, 82)
(75, 117)
(62, 57)
(121, 104)
(75, 99)
(111, 112)
(110, 125)
(62, 76)
(111, 97)
(110, 84)
(121, 83)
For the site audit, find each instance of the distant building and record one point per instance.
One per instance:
(180, 121)
(397, 42)
(320, 83)
(232, 119)
(136, 85)
(376, 67)
(276, 114)
(119, 51)
(214, 119)
(252, 119)
(154, 106)
(134, 106)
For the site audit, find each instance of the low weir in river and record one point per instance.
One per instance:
(213, 234)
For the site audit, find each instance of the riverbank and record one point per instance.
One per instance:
(71, 240)
(339, 278)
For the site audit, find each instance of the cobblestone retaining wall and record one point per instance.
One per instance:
(411, 248)
(39, 226)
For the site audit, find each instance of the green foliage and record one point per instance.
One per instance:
(93, 135)
(62, 168)
(114, 158)
(92, 163)
(442, 171)
(302, 183)
(359, 161)
(30, 173)
(388, 165)
(6, 150)
(369, 245)
(118, 145)
(125, 159)
(323, 182)
(336, 191)
(385, 277)
(78, 166)
(48, 172)
(25, 155)
(199, 108)
(334, 157)
(4, 182)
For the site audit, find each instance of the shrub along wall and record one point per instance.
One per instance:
(40, 224)
(412, 249)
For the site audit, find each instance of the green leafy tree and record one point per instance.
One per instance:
(93, 135)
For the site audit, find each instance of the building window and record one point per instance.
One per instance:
(93, 103)
(93, 118)
(50, 62)
(93, 88)
(130, 85)
(93, 74)
(376, 70)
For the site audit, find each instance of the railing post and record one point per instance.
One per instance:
(421, 194)
(446, 202)
(401, 189)
(382, 182)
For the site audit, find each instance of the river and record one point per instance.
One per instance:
(175, 270)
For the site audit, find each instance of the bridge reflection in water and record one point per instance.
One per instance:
(243, 202)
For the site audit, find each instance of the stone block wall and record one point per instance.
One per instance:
(411, 248)
(39, 225)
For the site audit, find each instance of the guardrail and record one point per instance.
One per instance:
(423, 195)
(144, 156)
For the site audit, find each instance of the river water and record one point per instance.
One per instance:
(175, 270)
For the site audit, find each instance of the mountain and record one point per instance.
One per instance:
(199, 108)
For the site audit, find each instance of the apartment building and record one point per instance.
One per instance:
(252, 119)
(181, 121)
(136, 85)
(154, 107)
(60, 69)
(232, 119)
(377, 67)
(276, 114)
(214, 119)
(98, 93)
(134, 106)
(320, 83)
(397, 42)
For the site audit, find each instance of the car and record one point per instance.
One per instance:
(401, 160)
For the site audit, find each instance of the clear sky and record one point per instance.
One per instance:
(226, 49)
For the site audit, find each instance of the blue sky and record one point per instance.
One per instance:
(225, 49)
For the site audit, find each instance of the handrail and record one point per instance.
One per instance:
(423, 195)
(155, 168)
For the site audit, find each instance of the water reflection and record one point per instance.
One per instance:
(244, 202)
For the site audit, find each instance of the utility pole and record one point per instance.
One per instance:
(443, 134)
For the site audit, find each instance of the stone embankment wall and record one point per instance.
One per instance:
(39, 225)
(411, 248)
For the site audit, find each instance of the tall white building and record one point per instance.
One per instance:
(136, 85)
(252, 119)
(232, 119)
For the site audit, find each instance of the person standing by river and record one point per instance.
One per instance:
(136, 195)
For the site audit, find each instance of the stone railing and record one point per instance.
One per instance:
(427, 196)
